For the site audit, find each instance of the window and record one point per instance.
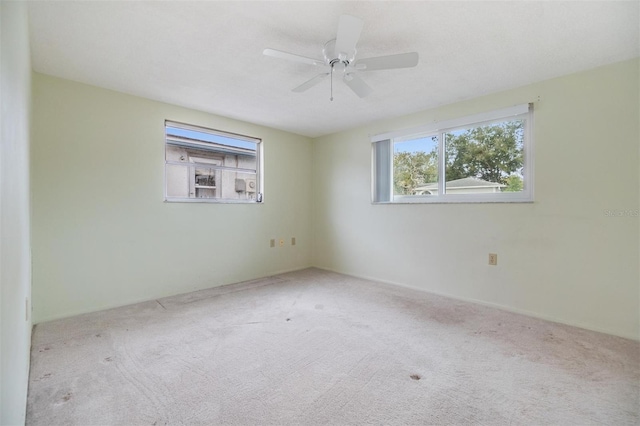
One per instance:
(482, 158)
(205, 165)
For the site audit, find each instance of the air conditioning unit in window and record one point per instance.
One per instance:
(251, 185)
(246, 185)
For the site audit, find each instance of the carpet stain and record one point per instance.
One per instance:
(288, 319)
(67, 397)
(562, 347)
(43, 377)
(415, 377)
(446, 314)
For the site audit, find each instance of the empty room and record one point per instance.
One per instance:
(331, 213)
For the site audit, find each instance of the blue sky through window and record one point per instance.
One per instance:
(426, 144)
(208, 137)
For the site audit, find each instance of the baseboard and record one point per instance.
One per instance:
(491, 305)
(370, 278)
(160, 296)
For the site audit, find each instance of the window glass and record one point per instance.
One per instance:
(481, 158)
(415, 166)
(485, 159)
(209, 165)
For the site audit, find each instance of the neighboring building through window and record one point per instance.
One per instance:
(483, 158)
(209, 165)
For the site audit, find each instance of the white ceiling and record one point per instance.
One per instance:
(208, 55)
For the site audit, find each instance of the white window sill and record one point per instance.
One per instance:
(458, 199)
(209, 201)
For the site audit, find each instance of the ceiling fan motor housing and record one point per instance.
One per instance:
(331, 57)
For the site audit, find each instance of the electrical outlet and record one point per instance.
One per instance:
(293, 241)
(493, 259)
(281, 243)
(272, 243)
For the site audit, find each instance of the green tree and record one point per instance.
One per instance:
(492, 153)
(413, 169)
(514, 184)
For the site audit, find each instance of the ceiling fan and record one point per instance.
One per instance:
(339, 56)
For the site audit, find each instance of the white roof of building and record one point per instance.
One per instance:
(469, 182)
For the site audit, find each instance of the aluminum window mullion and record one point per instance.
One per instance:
(527, 148)
(442, 165)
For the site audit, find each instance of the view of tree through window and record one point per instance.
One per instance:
(483, 159)
(491, 153)
(415, 164)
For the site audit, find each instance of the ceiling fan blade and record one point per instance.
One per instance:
(349, 29)
(402, 60)
(358, 85)
(291, 57)
(309, 84)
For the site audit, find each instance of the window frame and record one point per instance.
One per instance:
(438, 129)
(259, 178)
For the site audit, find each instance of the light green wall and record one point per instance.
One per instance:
(102, 235)
(15, 260)
(560, 258)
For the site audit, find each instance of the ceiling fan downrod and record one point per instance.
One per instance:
(331, 98)
(344, 63)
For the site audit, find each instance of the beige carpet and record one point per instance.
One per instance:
(314, 347)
